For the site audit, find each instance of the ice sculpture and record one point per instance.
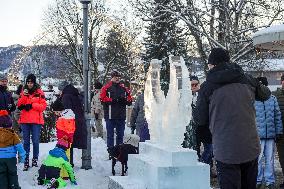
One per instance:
(162, 163)
(154, 100)
(167, 117)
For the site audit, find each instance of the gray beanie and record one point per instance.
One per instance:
(3, 77)
(62, 85)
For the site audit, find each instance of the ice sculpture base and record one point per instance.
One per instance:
(162, 167)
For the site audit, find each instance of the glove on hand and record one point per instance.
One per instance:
(28, 107)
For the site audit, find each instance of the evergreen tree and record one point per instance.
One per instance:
(164, 38)
(117, 54)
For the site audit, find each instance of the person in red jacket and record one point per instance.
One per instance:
(32, 104)
(114, 97)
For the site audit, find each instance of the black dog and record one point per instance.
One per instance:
(120, 153)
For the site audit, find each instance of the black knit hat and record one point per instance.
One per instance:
(98, 85)
(218, 56)
(194, 77)
(5, 121)
(57, 105)
(115, 73)
(263, 80)
(31, 78)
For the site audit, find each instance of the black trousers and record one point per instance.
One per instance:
(237, 176)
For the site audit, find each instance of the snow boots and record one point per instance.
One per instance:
(34, 162)
(26, 164)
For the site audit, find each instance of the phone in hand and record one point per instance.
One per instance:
(26, 92)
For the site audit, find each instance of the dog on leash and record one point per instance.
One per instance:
(120, 152)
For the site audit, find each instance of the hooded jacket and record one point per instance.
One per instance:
(10, 144)
(268, 118)
(71, 100)
(226, 103)
(57, 159)
(65, 125)
(37, 99)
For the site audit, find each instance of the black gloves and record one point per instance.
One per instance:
(96, 116)
(22, 107)
(119, 100)
(132, 130)
(28, 107)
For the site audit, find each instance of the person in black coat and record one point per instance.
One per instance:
(6, 99)
(71, 100)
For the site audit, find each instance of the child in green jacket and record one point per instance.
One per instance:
(49, 172)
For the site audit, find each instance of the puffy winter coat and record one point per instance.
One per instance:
(57, 160)
(6, 100)
(71, 100)
(225, 102)
(35, 115)
(10, 144)
(115, 97)
(65, 125)
(96, 105)
(268, 118)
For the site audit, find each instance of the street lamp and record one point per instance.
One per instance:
(86, 153)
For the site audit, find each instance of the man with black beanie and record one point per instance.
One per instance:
(226, 103)
(114, 97)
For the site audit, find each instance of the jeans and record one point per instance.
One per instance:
(266, 172)
(119, 125)
(34, 130)
(207, 155)
(237, 176)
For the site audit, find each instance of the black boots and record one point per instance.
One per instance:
(34, 162)
(26, 164)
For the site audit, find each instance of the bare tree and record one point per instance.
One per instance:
(221, 23)
(63, 28)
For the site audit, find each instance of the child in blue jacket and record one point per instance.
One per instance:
(10, 144)
(269, 127)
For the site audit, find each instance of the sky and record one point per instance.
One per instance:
(20, 20)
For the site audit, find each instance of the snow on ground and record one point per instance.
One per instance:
(96, 178)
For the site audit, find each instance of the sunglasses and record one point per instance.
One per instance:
(194, 84)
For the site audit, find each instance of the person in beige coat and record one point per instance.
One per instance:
(97, 109)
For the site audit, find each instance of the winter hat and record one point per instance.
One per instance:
(194, 77)
(282, 77)
(98, 85)
(31, 78)
(115, 73)
(218, 56)
(263, 80)
(62, 85)
(5, 119)
(3, 77)
(62, 143)
(57, 105)
(132, 139)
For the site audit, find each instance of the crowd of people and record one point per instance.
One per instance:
(236, 123)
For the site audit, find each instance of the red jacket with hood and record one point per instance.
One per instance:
(38, 102)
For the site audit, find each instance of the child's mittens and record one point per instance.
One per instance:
(22, 159)
(74, 182)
